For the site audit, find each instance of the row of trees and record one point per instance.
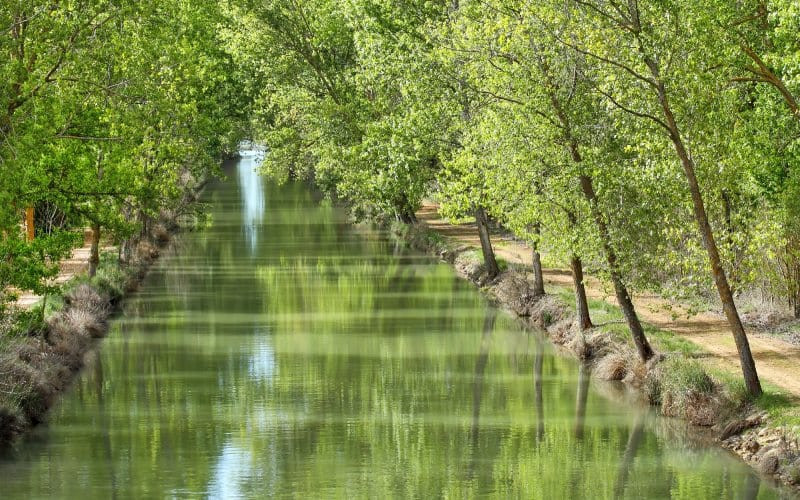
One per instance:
(107, 110)
(656, 142)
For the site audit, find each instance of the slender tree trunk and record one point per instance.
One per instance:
(403, 208)
(581, 304)
(621, 291)
(30, 230)
(407, 217)
(538, 278)
(727, 212)
(94, 253)
(126, 251)
(489, 259)
(718, 272)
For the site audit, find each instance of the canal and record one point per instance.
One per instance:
(282, 352)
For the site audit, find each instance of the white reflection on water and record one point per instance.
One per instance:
(252, 194)
(261, 365)
(233, 466)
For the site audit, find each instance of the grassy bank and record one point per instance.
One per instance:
(681, 380)
(43, 349)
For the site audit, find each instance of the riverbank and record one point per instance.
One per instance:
(43, 346)
(679, 380)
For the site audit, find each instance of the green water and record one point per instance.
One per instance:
(285, 353)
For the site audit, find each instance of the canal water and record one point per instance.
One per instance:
(283, 352)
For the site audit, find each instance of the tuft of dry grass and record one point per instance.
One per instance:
(146, 251)
(85, 322)
(161, 234)
(614, 366)
(85, 298)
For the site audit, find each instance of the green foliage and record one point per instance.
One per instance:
(110, 113)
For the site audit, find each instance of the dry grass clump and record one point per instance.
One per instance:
(684, 389)
(146, 250)
(22, 387)
(35, 369)
(85, 298)
(578, 345)
(547, 311)
(638, 371)
(161, 234)
(87, 322)
(614, 366)
(75, 322)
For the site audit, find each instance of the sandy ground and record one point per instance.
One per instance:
(777, 361)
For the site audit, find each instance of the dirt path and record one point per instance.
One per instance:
(77, 263)
(777, 361)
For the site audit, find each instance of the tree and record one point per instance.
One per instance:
(648, 55)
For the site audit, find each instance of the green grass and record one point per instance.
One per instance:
(609, 318)
(782, 408)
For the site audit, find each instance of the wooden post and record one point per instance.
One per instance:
(29, 229)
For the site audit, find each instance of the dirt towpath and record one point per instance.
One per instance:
(77, 263)
(777, 361)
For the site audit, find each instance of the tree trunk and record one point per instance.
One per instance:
(94, 253)
(620, 290)
(538, 278)
(407, 217)
(486, 243)
(30, 230)
(718, 272)
(126, 251)
(581, 304)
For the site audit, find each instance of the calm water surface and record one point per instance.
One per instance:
(283, 352)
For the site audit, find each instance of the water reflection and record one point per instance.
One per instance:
(538, 365)
(480, 367)
(261, 365)
(252, 190)
(325, 361)
(232, 468)
(580, 402)
(632, 446)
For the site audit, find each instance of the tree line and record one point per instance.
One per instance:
(654, 143)
(109, 112)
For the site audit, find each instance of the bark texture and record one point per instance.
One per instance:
(482, 221)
